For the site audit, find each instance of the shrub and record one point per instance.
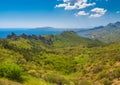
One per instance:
(116, 73)
(97, 69)
(11, 71)
(117, 58)
(56, 78)
(82, 82)
(102, 75)
(106, 81)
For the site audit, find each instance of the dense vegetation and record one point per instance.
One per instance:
(65, 59)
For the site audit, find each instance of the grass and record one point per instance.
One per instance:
(4, 81)
(30, 81)
(35, 81)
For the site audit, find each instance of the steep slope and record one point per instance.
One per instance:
(107, 34)
(70, 39)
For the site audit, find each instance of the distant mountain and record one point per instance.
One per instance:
(45, 28)
(108, 34)
(65, 29)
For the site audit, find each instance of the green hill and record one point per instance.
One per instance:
(69, 39)
(39, 60)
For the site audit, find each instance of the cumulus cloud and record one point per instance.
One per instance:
(81, 13)
(98, 12)
(95, 15)
(61, 5)
(80, 5)
(75, 4)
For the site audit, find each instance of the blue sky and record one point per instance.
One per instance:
(58, 13)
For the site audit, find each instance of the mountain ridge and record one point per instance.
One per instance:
(108, 34)
(70, 39)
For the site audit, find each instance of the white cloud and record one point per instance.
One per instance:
(98, 12)
(95, 15)
(69, 7)
(61, 5)
(66, 0)
(80, 5)
(75, 4)
(81, 13)
(84, 5)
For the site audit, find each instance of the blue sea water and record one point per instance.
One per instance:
(83, 34)
(5, 32)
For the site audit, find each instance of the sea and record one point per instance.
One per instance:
(4, 32)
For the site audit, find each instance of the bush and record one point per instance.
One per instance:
(11, 71)
(82, 82)
(56, 78)
(117, 72)
(117, 58)
(97, 69)
(106, 81)
(102, 75)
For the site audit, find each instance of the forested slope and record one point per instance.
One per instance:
(25, 60)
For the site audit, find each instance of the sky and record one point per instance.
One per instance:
(58, 13)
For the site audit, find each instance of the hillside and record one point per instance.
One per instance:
(31, 60)
(70, 39)
(108, 34)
